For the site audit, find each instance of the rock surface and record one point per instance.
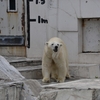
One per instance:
(13, 86)
(8, 72)
(31, 89)
(85, 89)
(10, 90)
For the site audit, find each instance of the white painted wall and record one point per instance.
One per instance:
(64, 21)
(42, 32)
(38, 31)
(91, 37)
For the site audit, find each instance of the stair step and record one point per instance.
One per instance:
(77, 71)
(23, 61)
(85, 70)
(28, 68)
(31, 72)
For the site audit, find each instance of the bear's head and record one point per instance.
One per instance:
(54, 46)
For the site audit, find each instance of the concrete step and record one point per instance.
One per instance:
(77, 71)
(23, 61)
(85, 70)
(31, 72)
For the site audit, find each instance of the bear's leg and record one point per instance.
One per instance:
(61, 73)
(46, 74)
(54, 71)
(46, 69)
(67, 72)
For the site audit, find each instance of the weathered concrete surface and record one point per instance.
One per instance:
(31, 89)
(85, 89)
(23, 61)
(78, 84)
(19, 90)
(8, 72)
(10, 90)
(31, 72)
(91, 71)
(31, 68)
(76, 71)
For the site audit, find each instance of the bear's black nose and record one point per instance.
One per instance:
(56, 47)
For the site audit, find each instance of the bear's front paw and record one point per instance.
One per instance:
(68, 76)
(46, 80)
(59, 80)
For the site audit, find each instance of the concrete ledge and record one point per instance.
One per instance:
(31, 68)
(85, 89)
(78, 84)
(23, 61)
(93, 58)
(31, 72)
(85, 70)
(31, 89)
(19, 90)
(10, 90)
(76, 70)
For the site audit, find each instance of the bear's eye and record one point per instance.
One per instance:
(57, 44)
(52, 44)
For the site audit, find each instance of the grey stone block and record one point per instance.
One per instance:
(85, 89)
(31, 72)
(85, 70)
(10, 90)
(31, 89)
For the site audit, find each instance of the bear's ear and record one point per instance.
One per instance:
(46, 43)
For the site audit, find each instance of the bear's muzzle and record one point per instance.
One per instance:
(55, 49)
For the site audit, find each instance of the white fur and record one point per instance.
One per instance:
(55, 62)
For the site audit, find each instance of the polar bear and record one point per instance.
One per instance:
(55, 61)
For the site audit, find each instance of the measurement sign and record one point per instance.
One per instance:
(41, 1)
(33, 20)
(42, 20)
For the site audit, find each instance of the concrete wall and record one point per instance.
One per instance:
(65, 20)
(12, 25)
